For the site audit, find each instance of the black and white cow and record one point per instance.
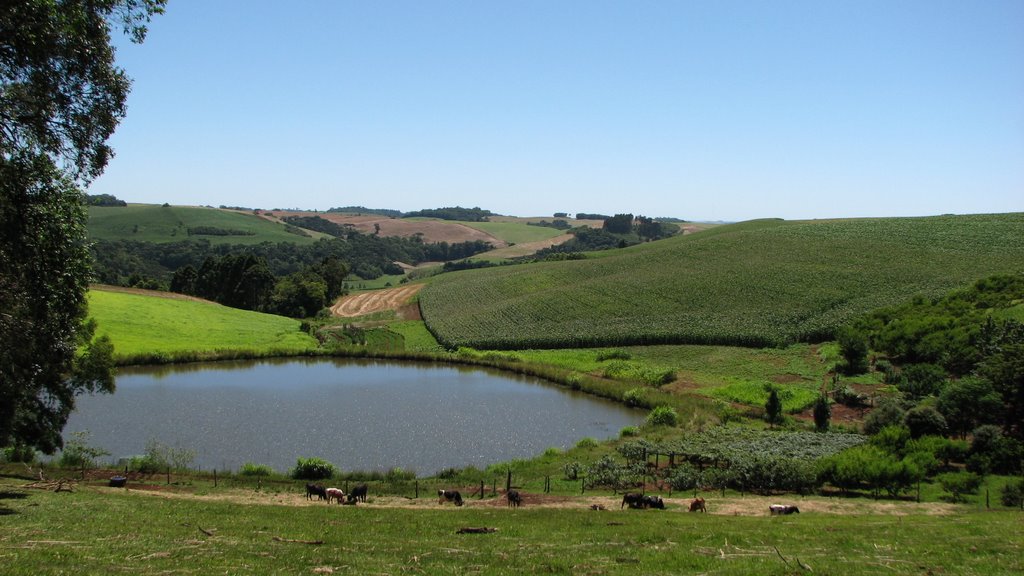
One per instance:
(779, 509)
(449, 496)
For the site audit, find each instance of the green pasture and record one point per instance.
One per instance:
(146, 328)
(759, 283)
(156, 223)
(99, 530)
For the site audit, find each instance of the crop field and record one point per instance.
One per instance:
(147, 328)
(155, 223)
(759, 283)
(515, 232)
(181, 529)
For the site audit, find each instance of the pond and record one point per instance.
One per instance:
(358, 415)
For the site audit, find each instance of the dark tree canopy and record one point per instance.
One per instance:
(61, 96)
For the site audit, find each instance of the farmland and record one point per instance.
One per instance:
(160, 224)
(758, 283)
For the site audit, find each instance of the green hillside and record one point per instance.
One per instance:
(145, 328)
(516, 232)
(155, 223)
(754, 283)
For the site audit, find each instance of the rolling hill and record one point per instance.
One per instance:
(159, 224)
(757, 283)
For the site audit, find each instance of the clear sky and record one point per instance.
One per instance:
(702, 110)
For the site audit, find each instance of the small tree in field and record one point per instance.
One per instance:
(822, 413)
(773, 408)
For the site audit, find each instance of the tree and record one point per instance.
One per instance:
(1005, 370)
(822, 413)
(61, 96)
(968, 403)
(619, 224)
(925, 421)
(773, 408)
(853, 346)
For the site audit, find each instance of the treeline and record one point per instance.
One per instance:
(957, 364)
(365, 210)
(103, 200)
(151, 265)
(618, 231)
(245, 281)
(453, 213)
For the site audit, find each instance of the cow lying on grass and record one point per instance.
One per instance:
(779, 509)
(449, 496)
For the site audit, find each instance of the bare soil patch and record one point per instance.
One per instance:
(375, 301)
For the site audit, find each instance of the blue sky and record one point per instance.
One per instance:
(709, 110)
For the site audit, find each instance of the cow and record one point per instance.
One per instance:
(654, 502)
(316, 490)
(335, 494)
(779, 509)
(632, 499)
(698, 504)
(359, 492)
(449, 496)
(514, 498)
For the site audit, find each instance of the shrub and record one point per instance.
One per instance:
(608, 473)
(614, 355)
(1012, 493)
(634, 397)
(252, 469)
(663, 416)
(77, 452)
(572, 470)
(853, 345)
(959, 484)
(888, 413)
(684, 477)
(25, 454)
(160, 457)
(822, 413)
(313, 469)
(925, 421)
(629, 431)
(586, 443)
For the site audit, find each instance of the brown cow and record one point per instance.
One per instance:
(698, 504)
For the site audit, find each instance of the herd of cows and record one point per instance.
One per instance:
(634, 500)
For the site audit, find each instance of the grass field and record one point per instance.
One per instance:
(155, 223)
(757, 283)
(515, 232)
(144, 328)
(174, 529)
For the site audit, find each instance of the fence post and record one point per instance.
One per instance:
(417, 489)
(481, 489)
(508, 480)
(168, 474)
(214, 477)
(583, 485)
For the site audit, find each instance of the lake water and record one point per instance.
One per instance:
(359, 415)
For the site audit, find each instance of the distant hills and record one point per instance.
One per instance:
(757, 283)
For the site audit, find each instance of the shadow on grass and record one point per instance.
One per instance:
(5, 495)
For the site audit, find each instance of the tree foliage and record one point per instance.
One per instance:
(61, 96)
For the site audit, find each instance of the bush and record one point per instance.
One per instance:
(159, 458)
(572, 470)
(1012, 493)
(252, 469)
(613, 355)
(25, 454)
(634, 397)
(684, 477)
(586, 443)
(925, 421)
(663, 416)
(629, 432)
(888, 413)
(313, 469)
(959, 484)
(77, 452)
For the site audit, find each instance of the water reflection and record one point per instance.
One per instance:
(358, 414)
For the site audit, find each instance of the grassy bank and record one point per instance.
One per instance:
(147, 329)
(97, 530)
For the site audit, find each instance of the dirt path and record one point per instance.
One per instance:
(729, 506)
(374, 301)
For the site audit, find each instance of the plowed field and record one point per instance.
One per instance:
(376, 301)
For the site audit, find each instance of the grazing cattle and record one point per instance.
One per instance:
(778, 509)
(514, 498)
(335, 494)
(449, 496)
(698, 504)
(359, 492)
(654, 502)
(316, 490)
(632, 499)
